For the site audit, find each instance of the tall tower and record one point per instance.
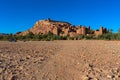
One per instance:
(88, 30)
(83, 30)
(101, 30)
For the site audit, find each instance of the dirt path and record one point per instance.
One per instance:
(60, 60)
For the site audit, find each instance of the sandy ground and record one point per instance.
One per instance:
(60, 60)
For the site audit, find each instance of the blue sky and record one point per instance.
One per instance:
(20, 15)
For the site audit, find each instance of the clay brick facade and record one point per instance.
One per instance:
(100, 31)
(82, 30)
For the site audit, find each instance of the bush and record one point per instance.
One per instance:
(109, 36)
(88, 37)
(50, 36)
(1, 37)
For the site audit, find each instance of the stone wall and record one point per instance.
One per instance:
(101, 31)
(82, 30)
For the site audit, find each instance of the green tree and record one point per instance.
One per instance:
(119, 30)
(110, 31)
(29, 36)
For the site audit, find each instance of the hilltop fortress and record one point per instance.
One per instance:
(62, 29)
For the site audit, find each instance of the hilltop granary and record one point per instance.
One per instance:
(61, 28)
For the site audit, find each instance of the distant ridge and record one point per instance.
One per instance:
(1, 34)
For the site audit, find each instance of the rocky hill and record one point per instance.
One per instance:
(3, 34)
(61, 29)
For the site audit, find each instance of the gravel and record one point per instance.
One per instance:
(60, 60)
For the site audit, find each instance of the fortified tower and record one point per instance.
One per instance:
(101, 30)
(83, 30)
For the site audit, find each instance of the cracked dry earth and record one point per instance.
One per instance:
(60, 60)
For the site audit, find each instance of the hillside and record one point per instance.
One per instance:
(61, 28)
